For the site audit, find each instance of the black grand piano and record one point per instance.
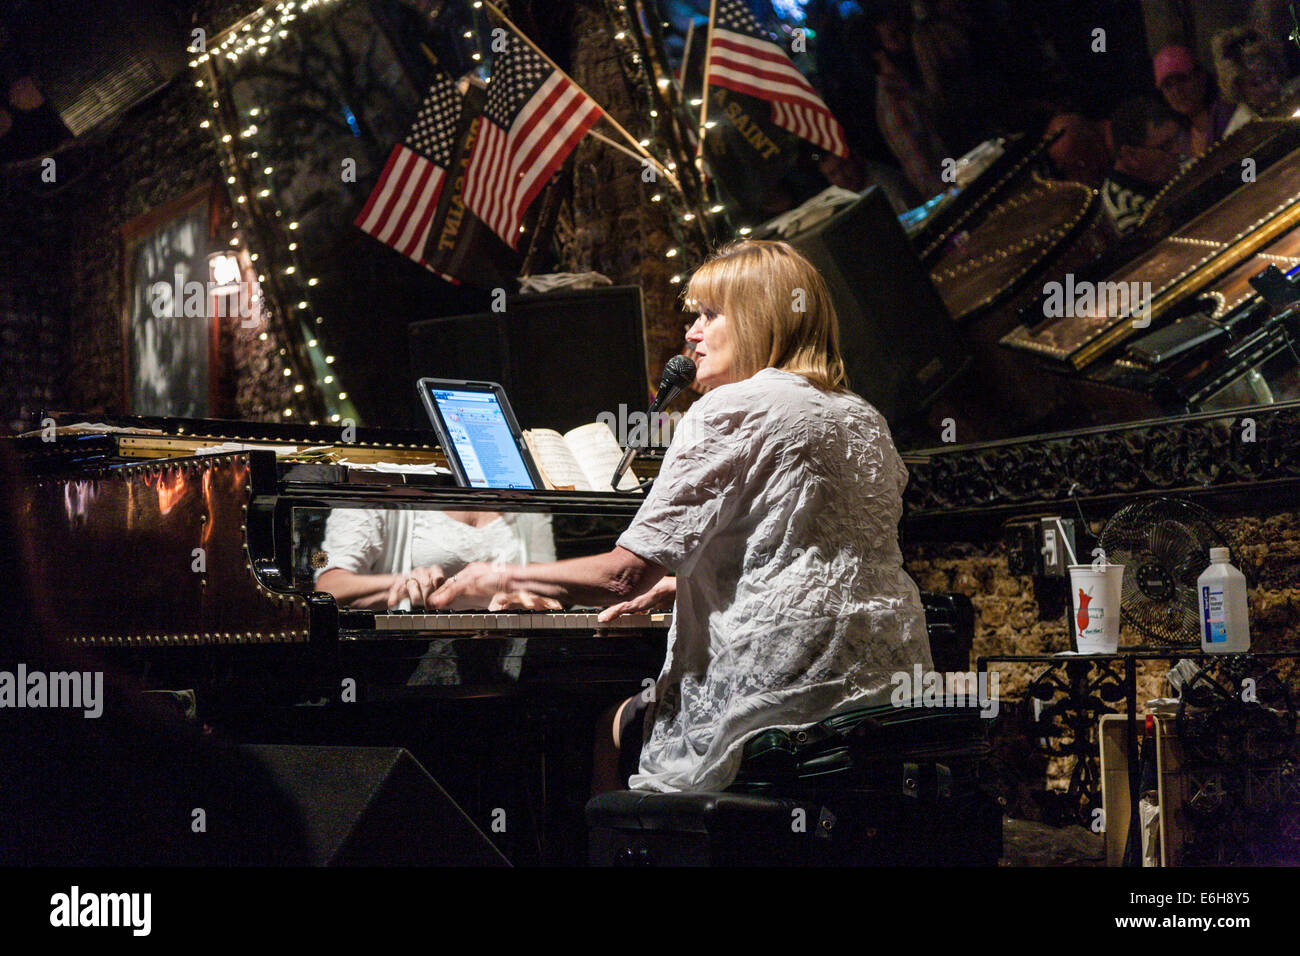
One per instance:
(186, 554)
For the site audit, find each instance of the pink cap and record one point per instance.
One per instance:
(1174, 60)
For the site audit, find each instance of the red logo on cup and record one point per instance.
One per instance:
(1082, 618)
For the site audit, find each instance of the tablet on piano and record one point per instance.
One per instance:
(479, 434)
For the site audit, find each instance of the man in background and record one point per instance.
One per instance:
(1145, 132)
(1080, 153)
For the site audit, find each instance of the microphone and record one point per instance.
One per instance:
(678, 375)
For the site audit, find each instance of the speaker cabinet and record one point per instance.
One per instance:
(374, 806)
(563, 357)
(901, 346)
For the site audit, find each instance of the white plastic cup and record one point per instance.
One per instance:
(1094, 603)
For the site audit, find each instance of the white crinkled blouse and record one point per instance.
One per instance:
(777, 506)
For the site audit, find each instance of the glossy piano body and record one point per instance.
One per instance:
(1052, 356)
(499, 708)
(197, 569)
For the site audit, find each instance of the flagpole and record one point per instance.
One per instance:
(704, 91)
(615, 145)
(642, 152)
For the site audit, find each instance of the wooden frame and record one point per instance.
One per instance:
(178, 235)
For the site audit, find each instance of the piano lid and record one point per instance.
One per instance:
(1217, 172)
(75, 441)
(994, 184)
(1199, 253)
(1011, 242)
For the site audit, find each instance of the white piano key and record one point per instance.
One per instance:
(516, 622)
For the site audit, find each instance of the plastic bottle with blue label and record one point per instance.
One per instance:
(1221, 596)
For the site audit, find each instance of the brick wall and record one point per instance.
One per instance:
(1008, 612)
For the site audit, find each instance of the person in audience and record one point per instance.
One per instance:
(903, 111)
(1080, 153)
(1146, 157)
(944, 60)
(856, 173)
(1186, 88)
(1192, 24)
(1251, 73)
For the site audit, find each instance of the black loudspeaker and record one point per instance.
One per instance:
(375, 806)
(563, 357)
(900, 344)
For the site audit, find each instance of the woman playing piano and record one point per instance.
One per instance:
(777, 508)
(379, 559)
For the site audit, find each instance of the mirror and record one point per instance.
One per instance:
(310, 102)
(359, 542)
(1070, 327)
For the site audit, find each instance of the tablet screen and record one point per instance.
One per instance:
(478, 429)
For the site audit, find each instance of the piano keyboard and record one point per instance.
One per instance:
(518, 621)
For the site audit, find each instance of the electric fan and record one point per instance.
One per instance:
(1164, 545)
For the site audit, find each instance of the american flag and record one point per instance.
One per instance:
(743, 58)
(400, 209)
(534, 117)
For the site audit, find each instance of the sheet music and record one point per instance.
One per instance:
(598, 453)
(559, 465)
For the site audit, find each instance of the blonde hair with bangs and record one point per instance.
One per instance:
(778, 308)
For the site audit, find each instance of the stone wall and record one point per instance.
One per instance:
(1009, 614)
(33, 324)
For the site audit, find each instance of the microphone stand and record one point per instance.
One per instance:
(668, 395)
(623, 465)
(678, 374)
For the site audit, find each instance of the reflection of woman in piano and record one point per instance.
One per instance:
(380, 559)
(777, 507)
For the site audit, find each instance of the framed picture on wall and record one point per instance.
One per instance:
(169, 335)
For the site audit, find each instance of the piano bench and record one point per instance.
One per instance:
(874, 786)
(845, 828)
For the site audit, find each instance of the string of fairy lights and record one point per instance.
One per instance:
(638, 67)
(250, 179)
(306, 359)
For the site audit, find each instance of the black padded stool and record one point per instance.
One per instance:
(639, 828)
(880, 786)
